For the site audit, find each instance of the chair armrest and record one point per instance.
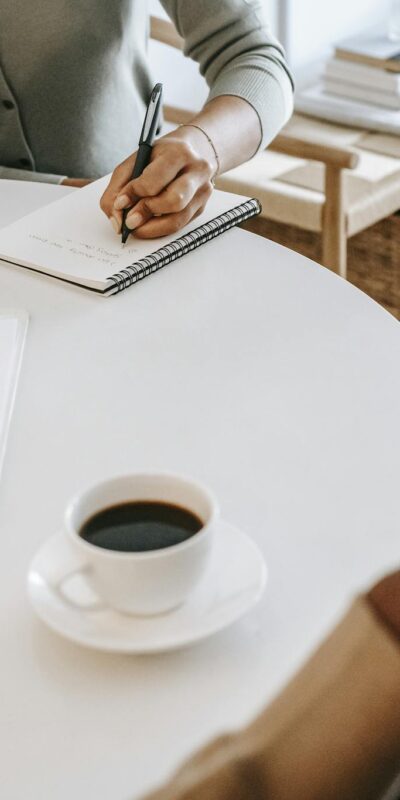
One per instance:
(339, 157)
(163, 31)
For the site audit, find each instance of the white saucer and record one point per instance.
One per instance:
(233, 583)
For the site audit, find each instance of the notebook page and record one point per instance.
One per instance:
(13, 326)
(72, 238)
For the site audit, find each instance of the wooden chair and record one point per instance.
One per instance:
(329, 197)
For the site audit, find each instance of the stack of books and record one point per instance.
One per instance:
(366, 69)
(360, 86)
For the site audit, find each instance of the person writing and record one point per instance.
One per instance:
(75, 81)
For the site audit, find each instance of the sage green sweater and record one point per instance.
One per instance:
(74, 77)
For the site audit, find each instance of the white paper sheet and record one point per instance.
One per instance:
(13, 326)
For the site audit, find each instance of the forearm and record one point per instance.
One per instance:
(12, 174)
(264, 84)
(334, 732)
(232, 125)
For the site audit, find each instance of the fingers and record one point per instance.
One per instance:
(153, 180)
(118, 179)
(167, 194)
(171, 223)
(166, 163)
(139, 214)
(165, 225)
(176, 197)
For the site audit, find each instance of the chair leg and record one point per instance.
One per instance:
(334, 239)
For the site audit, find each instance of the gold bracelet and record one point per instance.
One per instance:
(192, 125)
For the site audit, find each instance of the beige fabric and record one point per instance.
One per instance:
(371, 190)
(374, 205)
(265, 167)
(333, 733)
(280, 201)
(381, 143)
(291, 190)
(322, 132)
(371, 169)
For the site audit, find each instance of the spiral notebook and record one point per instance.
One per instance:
(72, 240)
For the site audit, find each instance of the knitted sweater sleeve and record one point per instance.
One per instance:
(237, 55)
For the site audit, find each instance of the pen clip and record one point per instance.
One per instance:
(151, 118)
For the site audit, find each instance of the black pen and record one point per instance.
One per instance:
(147, 135)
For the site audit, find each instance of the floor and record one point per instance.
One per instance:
(373, 255)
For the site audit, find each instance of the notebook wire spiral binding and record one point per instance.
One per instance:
(179, 247)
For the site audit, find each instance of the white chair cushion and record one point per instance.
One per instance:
(282, 202)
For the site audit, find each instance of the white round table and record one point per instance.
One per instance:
(259, 373)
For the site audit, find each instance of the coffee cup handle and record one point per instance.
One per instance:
(69, 567)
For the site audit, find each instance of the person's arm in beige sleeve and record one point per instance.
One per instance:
(334, 732)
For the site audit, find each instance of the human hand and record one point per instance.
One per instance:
(172, 190)
(77, 182)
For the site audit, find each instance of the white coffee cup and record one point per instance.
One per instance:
(144, 583)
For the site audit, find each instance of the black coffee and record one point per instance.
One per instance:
(140, 526)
